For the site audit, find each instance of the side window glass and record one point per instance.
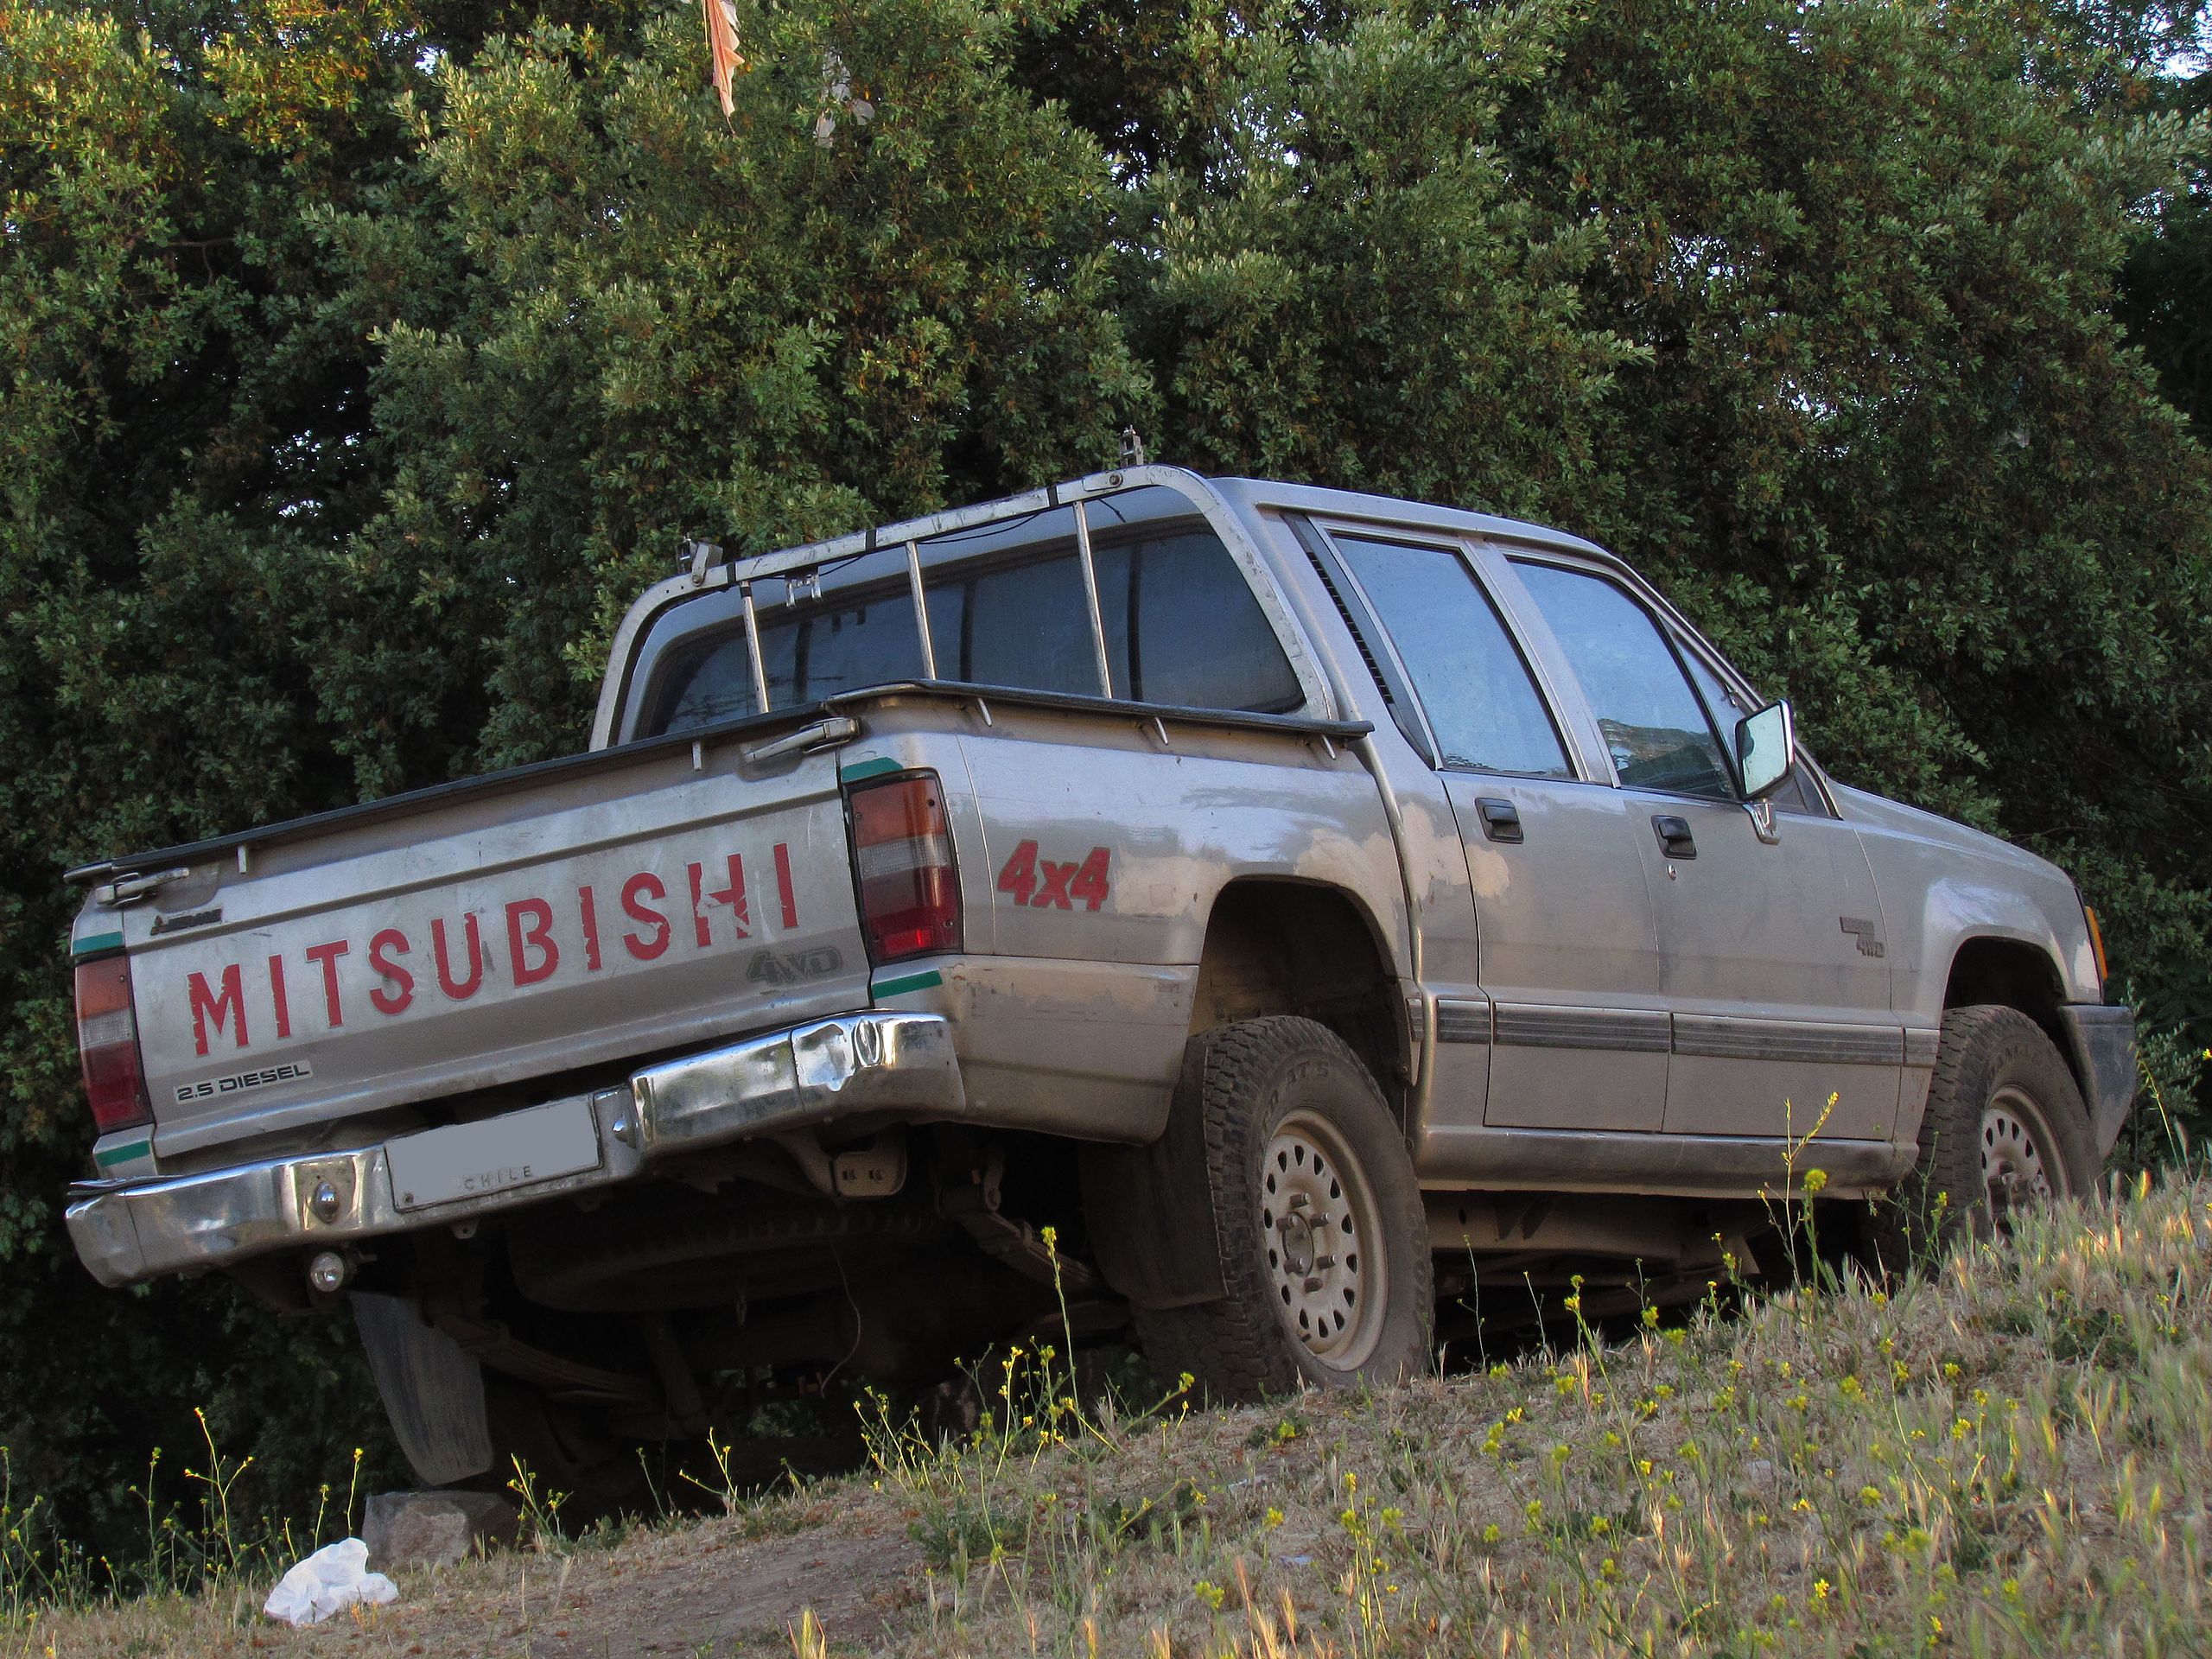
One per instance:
(1181, 622)
(1653, 723)
(1728, 707)
(1483, 707)
(1185, 629)
(1029, 626)
(1795, 795)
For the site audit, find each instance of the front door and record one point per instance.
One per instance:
(1770, 959)
(1573, 1014)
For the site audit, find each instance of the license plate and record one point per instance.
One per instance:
(471, 1160)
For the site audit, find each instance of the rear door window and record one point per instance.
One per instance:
(1482, 705)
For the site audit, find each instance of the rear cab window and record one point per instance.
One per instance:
(1007, 608)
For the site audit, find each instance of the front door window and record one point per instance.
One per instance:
(1654, 726)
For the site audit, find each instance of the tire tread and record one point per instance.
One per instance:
(1234, 1348)
(1907, 1227)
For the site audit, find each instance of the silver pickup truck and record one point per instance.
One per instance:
(1301, 902)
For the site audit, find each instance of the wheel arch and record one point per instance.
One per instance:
(1274, 945)
(2012, 973)
(1280, 945)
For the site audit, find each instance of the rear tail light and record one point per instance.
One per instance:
(902, 861)
(107, 1040)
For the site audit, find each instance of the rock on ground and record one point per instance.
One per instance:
(411, 1529)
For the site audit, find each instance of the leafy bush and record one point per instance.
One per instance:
(363, 359)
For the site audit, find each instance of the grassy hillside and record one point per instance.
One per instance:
(2010, 1455)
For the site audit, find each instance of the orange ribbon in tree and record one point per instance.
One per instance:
(721, 47)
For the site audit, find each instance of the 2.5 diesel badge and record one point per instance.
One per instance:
(208, 1088)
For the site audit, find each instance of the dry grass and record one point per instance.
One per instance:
(2012, 1455)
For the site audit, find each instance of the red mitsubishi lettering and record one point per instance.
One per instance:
(588, 909)
(539, 936)
(733, 895)
(459, 989)
(645, 946)
(277, 996)
(206, 1005)
(326, 955)
(784, 885)
(398, 989)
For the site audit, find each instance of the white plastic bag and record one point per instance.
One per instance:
(332, 1580)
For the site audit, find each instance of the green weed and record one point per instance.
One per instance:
(2002, 1455)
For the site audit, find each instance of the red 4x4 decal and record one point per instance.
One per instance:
(1039, 882)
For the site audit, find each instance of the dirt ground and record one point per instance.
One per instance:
(2007, 1455)
(715, 1591)
(732, 1588)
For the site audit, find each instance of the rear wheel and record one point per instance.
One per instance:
(1317, 1222)
(2006, 1128)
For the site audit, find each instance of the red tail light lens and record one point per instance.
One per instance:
(902, 858)
(107, 1040)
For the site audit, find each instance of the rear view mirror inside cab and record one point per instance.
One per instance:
(1766, 749)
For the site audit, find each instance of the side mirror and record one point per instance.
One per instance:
(1766, 749)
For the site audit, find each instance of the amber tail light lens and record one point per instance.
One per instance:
(902, 864)
(107, 1042)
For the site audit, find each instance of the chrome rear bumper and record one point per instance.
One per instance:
(129, 1232)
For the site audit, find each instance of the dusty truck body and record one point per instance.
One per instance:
(1288, 897)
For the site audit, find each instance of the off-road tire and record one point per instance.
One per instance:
(2002, 1102)
(1248, 1081)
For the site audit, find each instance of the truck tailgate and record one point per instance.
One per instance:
(489, 936)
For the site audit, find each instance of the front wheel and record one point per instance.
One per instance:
(1317, 1222)
(2006, 1128)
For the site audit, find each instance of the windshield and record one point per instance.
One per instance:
(1007, 606)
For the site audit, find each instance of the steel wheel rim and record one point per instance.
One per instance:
(2017, 1166)
(1320, 1242)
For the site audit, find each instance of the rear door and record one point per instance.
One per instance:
(1769, 958)
(1568, 942)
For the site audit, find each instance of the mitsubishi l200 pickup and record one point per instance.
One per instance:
(1292, 897)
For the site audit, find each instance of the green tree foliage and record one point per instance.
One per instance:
(362, 360)
(1343, 280)
(359, 365)
(181, 432)
(838, 306)
(1806, 309)
(1891, 444)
